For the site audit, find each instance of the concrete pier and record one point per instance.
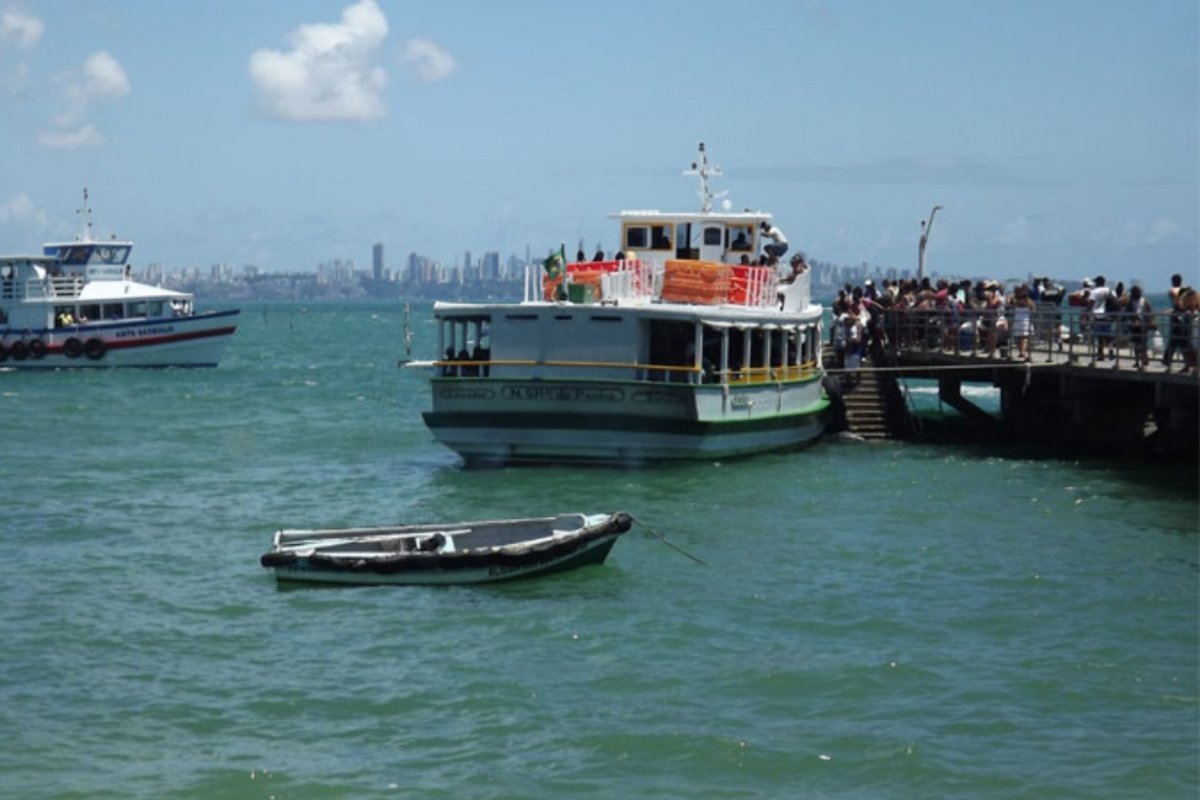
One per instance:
(1065, 397)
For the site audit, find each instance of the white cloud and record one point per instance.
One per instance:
(1015, 232)
(330, 73)
(1162, 230)
(103, 78)
(1135, 233)
(21, 29)
(72, 138)
(21, 209)
(100, 79)
(16, 81)
(428, 61)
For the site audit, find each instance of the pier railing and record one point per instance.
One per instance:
(1054, 333)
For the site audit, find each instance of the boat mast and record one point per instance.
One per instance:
(701, 168)
(86, 211)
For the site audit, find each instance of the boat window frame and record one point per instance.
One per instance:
(731, 230)
(664, 240)
(643, 235)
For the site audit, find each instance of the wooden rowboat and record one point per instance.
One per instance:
(447, 553)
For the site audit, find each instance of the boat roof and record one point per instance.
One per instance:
(29, 259)
(127, 290)
(727, 315)
(742, 217)
(114, 242)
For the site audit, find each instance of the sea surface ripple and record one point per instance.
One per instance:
(894, 621)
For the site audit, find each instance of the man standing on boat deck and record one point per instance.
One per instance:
(778, 244)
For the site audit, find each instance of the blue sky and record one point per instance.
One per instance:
(1059, 135)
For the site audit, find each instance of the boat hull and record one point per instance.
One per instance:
(587, 546)
(490, 422)
(190, 341)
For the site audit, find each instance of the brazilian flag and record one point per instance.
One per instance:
(555, 263)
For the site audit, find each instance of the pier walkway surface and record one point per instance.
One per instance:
(1085, 383)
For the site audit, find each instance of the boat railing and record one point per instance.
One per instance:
(667, 373)
(642, 280)
(65, 287)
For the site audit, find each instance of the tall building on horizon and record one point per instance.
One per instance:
(377, 261)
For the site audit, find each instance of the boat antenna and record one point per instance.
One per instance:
(86, 211)
(926, 227)
(702, 168)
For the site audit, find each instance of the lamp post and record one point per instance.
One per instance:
(925, 228)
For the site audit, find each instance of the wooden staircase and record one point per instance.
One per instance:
(872, 404)
(866, 406)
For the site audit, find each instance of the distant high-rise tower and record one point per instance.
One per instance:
(377, 261)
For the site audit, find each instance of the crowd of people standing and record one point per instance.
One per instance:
(982, 316)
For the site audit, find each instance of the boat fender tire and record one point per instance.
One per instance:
(72, 348)
(37, 349)
(94, 349)
(18, 351)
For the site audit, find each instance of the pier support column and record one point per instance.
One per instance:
(950, 393)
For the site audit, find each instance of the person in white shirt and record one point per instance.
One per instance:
(779, 244)
(1101, 319)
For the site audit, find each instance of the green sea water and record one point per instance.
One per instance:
(874, 621)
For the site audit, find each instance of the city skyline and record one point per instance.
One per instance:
(1061, 137)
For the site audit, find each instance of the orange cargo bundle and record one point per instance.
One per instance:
(699, 282)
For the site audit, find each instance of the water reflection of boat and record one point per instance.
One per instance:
(76, 305)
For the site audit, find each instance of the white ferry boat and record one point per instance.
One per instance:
(679, 348)
(77, 306)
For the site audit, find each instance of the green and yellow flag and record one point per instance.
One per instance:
(555, 263)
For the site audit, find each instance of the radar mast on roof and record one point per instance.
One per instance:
(86, 211)
(701, 168)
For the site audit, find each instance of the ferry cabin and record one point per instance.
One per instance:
(42, 292)
(727, 238)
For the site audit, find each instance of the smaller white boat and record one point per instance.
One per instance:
(446, 553)
(76, 305)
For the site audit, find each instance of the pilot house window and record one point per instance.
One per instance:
(741, 237)
(660, 237)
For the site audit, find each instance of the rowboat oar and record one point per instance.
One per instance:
(668, 543)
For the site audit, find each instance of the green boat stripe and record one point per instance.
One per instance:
(626, 423)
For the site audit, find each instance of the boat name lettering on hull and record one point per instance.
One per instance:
(563, 394)
(466, 394)
(157, 330)
(654, 398)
